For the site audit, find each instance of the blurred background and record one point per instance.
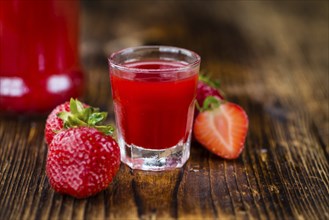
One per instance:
(257, 49)
(242, 43)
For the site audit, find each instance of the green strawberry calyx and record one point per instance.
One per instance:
(210, 82)
(85, 116)
(210, 103)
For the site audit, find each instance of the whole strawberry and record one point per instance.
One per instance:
(206, 88)
(82, 161)
(82, 157)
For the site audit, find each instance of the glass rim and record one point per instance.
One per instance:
(171, 49)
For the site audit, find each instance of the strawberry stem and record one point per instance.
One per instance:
(198, 107)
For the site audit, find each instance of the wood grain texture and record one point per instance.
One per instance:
(271, 58)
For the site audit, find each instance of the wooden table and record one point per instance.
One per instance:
(271, 58)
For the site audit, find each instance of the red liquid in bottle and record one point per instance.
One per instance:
(154, 111)
(39, 62)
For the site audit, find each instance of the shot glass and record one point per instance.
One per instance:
(154, 89)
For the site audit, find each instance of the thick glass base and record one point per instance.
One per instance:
(152, 159)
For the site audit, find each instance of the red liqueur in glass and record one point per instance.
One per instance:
(154, 89)
(154, 110)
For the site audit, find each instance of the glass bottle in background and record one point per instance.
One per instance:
(39, 57)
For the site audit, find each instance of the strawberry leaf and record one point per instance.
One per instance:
(96, 118)
(209, 82)
(88, 116)
(211, 102)
(85, 114)
(73, 106)
(74, 121)
(106, 129)
(79, 105)
(63, 115)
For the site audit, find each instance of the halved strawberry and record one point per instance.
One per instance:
(222, 129)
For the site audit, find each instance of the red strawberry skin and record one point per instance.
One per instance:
(204, 90)
(82, 161)
(222, 130)
(54, 123)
